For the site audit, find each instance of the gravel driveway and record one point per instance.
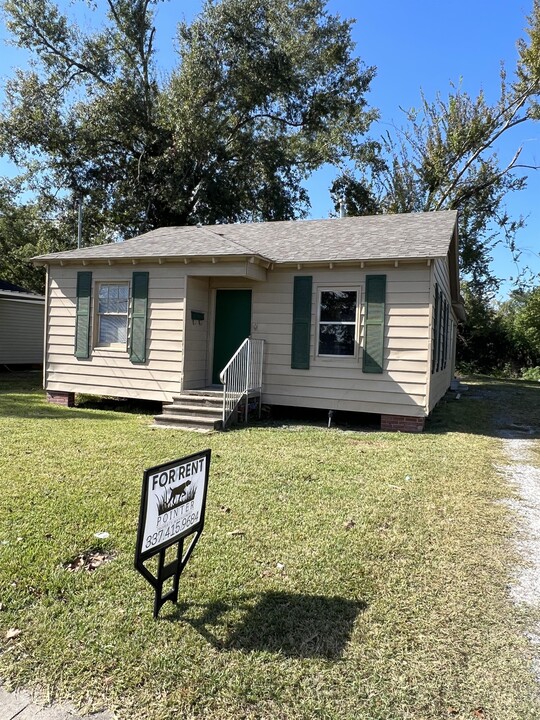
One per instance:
(518, 442)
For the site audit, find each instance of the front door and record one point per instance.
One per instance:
(232, 326)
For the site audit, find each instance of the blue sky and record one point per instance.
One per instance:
(415, 45)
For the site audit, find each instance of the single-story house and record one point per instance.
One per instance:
(22, 316)
(356, 314)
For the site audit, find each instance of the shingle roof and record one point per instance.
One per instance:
(376, 237)
(5, 285)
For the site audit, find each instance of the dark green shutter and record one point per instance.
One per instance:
(301, 330)
(445, 337)
(139, 315)
(435, 338)
(83, 315)
(440, 322)
(374, 323)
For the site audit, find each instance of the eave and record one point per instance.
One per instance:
(69, 260)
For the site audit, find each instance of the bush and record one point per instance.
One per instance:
(531, 373)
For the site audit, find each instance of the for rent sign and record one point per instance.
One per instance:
(173, 502)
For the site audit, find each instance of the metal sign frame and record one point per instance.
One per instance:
(178, 523)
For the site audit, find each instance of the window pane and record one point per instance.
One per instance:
(122, 298)
(336, 339)
(338, 306)
(103, 298)
(112, 329)
(113, 299)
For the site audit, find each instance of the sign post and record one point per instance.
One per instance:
(173, 504)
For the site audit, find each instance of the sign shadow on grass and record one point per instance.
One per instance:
(300, 626)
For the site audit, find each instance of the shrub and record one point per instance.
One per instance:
(532, 373)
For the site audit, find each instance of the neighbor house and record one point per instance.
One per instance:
(22, 315)
(356, 314)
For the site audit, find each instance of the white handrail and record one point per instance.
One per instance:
(242, 376)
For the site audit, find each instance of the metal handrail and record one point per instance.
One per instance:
(242, 376)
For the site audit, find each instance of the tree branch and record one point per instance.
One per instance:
(528, 167)
(478, 188)
(242, 123)
(70, 61)
(508, 125)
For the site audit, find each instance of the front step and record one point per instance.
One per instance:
(193, 410)
(187, 422)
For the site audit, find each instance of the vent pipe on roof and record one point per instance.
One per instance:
(342, 207)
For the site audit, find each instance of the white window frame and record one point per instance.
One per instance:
(98, 315)
(355, 322)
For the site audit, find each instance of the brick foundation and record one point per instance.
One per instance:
(66, 399)
(402, 423)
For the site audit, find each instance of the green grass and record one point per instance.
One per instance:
(369, 580)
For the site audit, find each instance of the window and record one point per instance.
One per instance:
(337, 322)
(112, 314)
(441, 327)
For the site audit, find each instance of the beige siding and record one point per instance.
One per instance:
(109, 371)
(339, 383)
(21, 332)
(439, 380)
(177, 345)
(195, 358)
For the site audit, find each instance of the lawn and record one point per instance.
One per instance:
(341, 574)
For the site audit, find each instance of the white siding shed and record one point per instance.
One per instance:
(22, 317)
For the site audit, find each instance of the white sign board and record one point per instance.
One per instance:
(173, 502)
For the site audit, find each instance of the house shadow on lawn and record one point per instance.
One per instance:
(35, 407)
(114, 404)
(487, 406)
(297, 626)
(288, 418)
(22, 395)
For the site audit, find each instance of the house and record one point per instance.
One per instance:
(356, 314)
(22, 316)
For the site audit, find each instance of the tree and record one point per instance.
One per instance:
(444, 158)
(528, 323)
(520, 315)
(484, 344)
(265, 92)
(17, 241)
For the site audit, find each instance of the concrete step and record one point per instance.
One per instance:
(187, 422)
(216, 392)
(199, 399)
(184, 409)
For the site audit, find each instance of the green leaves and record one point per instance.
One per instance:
(279, 93)
(263, 94)
(445, 157)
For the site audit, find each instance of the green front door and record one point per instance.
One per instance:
(232, 326)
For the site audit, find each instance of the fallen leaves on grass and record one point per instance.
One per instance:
(349, 524)
(13, 633)
(236, 533)
(90, 560)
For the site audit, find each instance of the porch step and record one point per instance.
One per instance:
(202, 410)
(187, 422)
(208, 392)
(202, 400)
(193, 410)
